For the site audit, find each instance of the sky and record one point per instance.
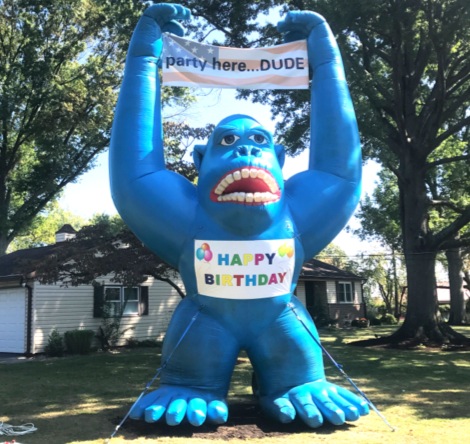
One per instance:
(91, 193)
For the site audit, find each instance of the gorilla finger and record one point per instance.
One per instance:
(281, 409)
(152, 398)
(176, 412)
(174, 28)
(197, 411)
(358, 402)
(154, 413)
(303, 19)
(182, 13)
(217, 412)
(351, 412)
(294, 36)
(307, 410)
(329, 409)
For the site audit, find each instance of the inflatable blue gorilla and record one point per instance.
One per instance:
(240, 237)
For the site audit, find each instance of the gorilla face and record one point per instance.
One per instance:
(240, 179)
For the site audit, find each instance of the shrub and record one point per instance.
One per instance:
(389, 319)
(79, 341)
(134, 343)
(110, 332)
(360, 323)
(375, 321)
(55, 344)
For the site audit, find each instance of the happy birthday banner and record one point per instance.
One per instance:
(244, 269)
(189, 63)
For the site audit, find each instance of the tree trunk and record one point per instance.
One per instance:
(4, 243)
(457, 300)
(422, 325)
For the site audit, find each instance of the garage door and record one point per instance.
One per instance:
(12, 320)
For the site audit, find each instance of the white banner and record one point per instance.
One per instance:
(188, 63)
(244, 269)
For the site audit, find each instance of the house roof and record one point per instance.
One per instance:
(21, 263)
(67, 228)
(315, 269)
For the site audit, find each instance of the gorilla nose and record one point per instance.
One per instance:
(248, 150)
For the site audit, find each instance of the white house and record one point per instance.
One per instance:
(30, 310)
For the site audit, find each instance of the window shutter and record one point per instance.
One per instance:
(98, 300)
(353, 289)
(144, 301)
(337, 292)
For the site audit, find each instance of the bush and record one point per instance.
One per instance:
(79, 341)
(55, 344)
(360, 323)
(134, 343)
(375, 321)
(388, 319)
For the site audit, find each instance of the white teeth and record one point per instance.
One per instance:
(271, 183)
(247, 173)
(248, 197)
(262, 174)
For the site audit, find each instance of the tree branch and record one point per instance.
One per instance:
(447, 160)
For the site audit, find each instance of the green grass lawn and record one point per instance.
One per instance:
(424, 394)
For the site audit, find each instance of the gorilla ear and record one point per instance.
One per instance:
(198, 154)
(281, 154)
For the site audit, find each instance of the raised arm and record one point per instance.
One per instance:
(156, 204)
(324, 198)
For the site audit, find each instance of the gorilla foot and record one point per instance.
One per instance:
(173, 404)
(315, 402)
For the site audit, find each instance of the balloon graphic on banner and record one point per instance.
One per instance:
(239, 238)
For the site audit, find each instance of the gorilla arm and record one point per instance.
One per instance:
(323, 198)
(157, 204)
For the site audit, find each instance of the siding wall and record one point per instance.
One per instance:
(60, 308)
(338, 311)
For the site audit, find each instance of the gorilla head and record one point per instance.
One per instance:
(240, 178)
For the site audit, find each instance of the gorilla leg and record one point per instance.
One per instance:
(289, 367)
(196, 371)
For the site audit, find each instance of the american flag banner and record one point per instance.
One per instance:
(189, 63)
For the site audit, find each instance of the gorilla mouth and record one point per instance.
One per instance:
(249, 186)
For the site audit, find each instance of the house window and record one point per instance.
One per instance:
(345, 293)
(128, 301)
(123, 300)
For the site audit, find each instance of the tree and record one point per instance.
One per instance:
(42, 229)
(407, 64)
(105, 247)
(59, 69)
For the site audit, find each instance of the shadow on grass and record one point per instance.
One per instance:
(431, 382)
(245, 422)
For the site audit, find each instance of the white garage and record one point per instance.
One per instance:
(12, 320)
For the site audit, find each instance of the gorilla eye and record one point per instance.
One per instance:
(258, 138)
(229, 140)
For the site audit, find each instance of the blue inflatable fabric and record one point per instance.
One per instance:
(241, 201)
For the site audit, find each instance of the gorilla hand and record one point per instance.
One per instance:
(157, 19)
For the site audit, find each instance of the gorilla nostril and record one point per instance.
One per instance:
(242, 151)
(255, 152)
